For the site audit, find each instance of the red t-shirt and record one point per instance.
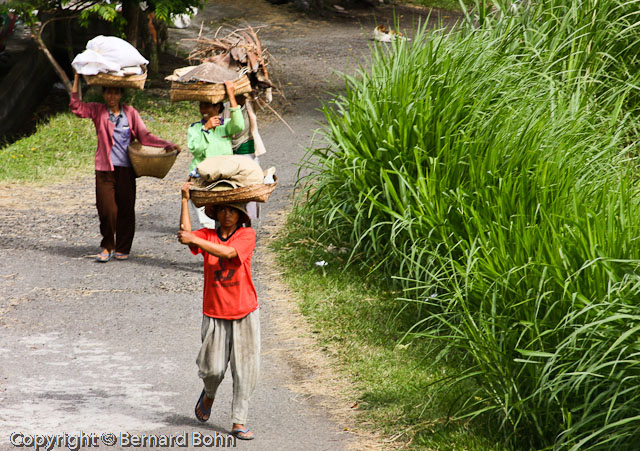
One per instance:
(228, 289)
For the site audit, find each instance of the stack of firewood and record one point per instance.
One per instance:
(216, 59)
(240, 51)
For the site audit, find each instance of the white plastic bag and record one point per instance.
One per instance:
(107, 54)
(116, 50)
(183, 20)
(180, 21)
(92, 63)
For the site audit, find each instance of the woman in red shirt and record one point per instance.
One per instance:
(230, 325)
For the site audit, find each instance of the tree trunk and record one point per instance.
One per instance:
(163, 34)
(131, 13)
(150, 40)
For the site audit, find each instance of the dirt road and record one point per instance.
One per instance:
(110, 349)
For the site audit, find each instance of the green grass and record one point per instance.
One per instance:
(486, 173)
(65, 145)
(450, 5)
(59, 147)
(363, 324)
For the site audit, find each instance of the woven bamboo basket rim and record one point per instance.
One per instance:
(115, 81)
(153, 164)
(252, 193)
(206, 92)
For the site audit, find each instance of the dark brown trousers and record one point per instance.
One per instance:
(116, 200)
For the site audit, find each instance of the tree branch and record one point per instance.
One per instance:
(61, 73)
(53, 19)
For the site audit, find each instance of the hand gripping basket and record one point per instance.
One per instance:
(114, 81)
(252, 193)
(151, 161)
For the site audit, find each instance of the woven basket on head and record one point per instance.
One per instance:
(114, 81)
(206, 92)
(151, 161)
(252, 193)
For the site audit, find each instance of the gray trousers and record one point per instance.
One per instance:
(236, 341)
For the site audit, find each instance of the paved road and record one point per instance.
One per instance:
(91, 348)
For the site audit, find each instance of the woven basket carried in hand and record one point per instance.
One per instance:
(252, 193)
(151, 161)
(206, 92)
(114, 81)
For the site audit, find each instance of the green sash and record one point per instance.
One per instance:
(245, 148)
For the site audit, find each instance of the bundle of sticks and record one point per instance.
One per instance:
(240, 51)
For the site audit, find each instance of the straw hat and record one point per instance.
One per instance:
(212, 212)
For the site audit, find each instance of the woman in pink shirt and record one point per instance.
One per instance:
(116, 126)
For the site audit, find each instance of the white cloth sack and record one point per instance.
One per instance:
(230, 171)
(92, 63)
(258, 144)
(107, 54)
(180, 21)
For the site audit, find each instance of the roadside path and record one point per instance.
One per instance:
(111, 348)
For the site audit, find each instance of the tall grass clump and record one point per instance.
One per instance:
(488, 171)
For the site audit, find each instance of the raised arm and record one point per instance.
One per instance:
(76, 85)
(230, 87)
(78, 107)
(185, 218)
(236, 124)
(186, 236)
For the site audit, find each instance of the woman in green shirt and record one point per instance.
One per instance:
(210, 136)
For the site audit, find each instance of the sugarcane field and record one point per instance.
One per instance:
(320, 225)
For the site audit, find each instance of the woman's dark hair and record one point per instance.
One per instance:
(219, 103)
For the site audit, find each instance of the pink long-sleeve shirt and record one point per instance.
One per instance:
(99, 113)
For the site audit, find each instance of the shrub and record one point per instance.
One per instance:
(487, 171)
